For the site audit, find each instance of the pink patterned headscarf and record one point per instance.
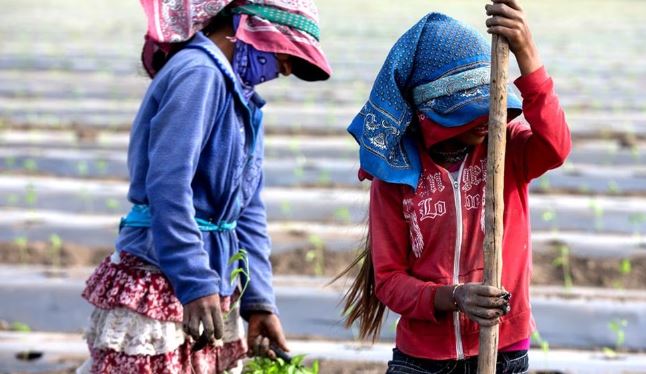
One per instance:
(171, 22)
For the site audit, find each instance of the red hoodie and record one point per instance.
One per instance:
(433, 236)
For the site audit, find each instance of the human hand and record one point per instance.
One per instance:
(509, 21)
(482, 304)
(264, 329)
(205, 311)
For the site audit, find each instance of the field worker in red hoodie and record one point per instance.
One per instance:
(422, 138)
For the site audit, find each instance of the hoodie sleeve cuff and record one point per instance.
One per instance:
(428, 300)
(532, 82)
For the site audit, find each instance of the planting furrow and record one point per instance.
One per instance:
(351, 67)
(313, 172)
(615, 152)
(50, 301)
(43, 86)
(62, 351)
(99, 232)
(286, 118)
(338, 206)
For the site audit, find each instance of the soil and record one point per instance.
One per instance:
(41, 253)
(585, 272)
(326, 367)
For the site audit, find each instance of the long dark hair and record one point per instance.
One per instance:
(360, 302)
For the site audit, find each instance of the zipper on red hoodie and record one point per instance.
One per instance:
(458, 250)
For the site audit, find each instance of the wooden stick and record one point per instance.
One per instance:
(494, 203)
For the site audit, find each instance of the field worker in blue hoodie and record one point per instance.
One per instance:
(165, 301)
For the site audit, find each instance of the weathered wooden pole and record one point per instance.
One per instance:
(494, 204)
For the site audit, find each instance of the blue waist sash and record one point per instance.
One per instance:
(139, 216)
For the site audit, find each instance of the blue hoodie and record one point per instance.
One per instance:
(196, 150)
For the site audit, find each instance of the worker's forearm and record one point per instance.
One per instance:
(444, 301)
(528, 59)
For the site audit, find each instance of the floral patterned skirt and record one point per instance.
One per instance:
(136, 326)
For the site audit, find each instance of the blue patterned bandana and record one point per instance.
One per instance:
(251, 65)
(440, 67)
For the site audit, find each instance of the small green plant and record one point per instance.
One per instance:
(299, 172)
(31, 196)
(82, 168)
(613, 187)
(634, 151)
(241, 256)
(636, 220)
(325, 178)
(85, 196)
(343, 214)
(625, 268)
(101, 166)
(563, 261)
(55, 249)
(618, 327)
(21, 242)
(598, 212)
(286, 208)
(113, 204)
(262, 365)
(544, 184)
(20, 327)
(295, 146)
(549, 216)
(30, 165)
(538, 340)
(316, 255)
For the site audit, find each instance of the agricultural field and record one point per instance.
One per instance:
(71, 83)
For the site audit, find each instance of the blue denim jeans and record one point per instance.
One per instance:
(508, 363)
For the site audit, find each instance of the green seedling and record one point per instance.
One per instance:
(262, 365)
(625, 267)
(86, 198)
(618, 327)
(30, 165)
(243, 257)
(613, 187)
(325, 178)
(101, 166)
(20, 327)
(22, 243)
(544, 183)
(598, 212)
(544, 344)
(343, 214)
(299, 172)
(113, 204)
(31, 196)
(55, 249)
(538, 340)
(549, 216)
(636, 220)
(82, 168)
(563, 261)
(316, 255)
(635, 153)
(286, 208)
